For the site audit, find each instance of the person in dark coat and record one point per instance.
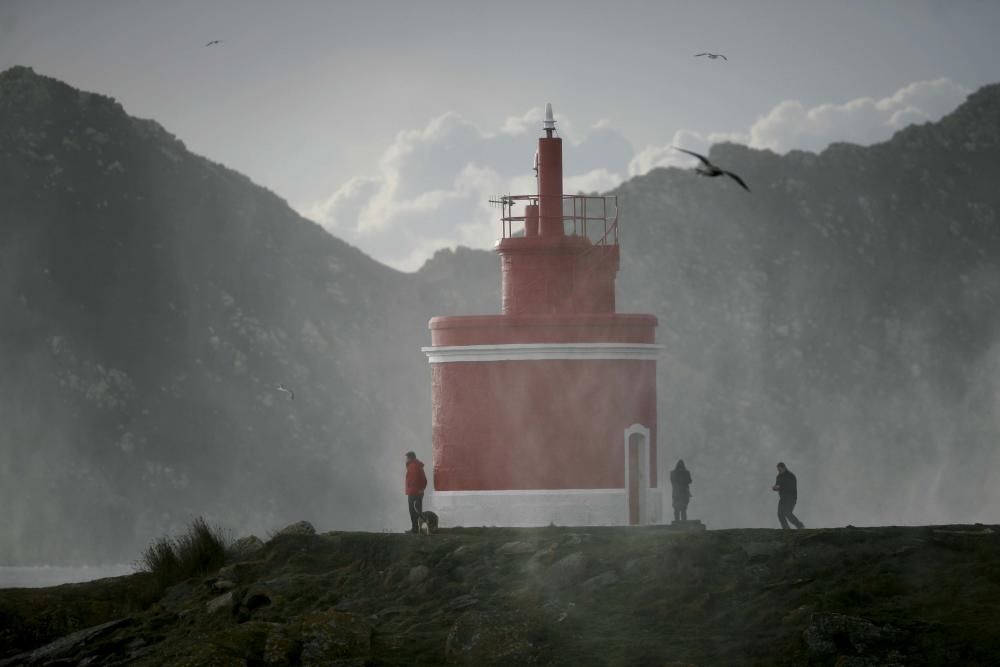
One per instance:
(416, 482)
(788, 494)
(680, 482)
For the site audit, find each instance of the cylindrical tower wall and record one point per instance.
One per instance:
(545, 275)
(537, 424)
(548, 411)
(531, 220)
(550, 186)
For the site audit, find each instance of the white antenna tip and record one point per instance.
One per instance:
(550, 122)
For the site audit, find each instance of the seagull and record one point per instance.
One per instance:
(711, 56)
(291, 394)
(706, 168)
(214, 41)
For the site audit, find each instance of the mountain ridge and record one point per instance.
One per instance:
(149, 289)
(839, 318)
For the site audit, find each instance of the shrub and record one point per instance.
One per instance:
(160, 560)
(200, 550)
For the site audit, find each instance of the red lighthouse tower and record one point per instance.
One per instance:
(546, 413)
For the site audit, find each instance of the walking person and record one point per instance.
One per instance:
(416, 482)
(788, 494)
(680, 482)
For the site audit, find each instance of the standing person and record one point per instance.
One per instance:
(680, 482)
(416, 482)
(788, 494)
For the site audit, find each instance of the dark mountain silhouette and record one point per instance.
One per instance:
(844, 317)
(841, 318)
(152, 301)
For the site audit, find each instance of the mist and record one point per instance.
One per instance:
(840, 318)
(153, 303)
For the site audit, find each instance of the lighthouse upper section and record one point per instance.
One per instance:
(559, 257)
(559, 252)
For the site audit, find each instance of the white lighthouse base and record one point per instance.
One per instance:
(563, 507)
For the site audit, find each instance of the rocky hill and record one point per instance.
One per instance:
(153, 301)
(842, 315)
(552, 596)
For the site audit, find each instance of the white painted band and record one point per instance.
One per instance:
(542, 351)
(542, 507)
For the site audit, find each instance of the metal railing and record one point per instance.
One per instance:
(592, 216)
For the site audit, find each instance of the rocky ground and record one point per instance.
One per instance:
(581, 596)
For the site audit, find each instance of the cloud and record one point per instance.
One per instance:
(790, 125)
(864, 120)
(434, 183)
(651, 157)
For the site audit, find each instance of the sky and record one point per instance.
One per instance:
(391, 123)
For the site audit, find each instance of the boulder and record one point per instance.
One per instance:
(494, 637)
(515, 548)
(600, 581)
(240, 571)
(176, 596)
(222, 585)
(326, 637)
(641, 565)
(575, 539)
(66, 646)
(830, 634)
(568, 568)
(762, 550)
(331, 635)
(222, 602)
(462, 601)
(244, 548)
(297, 528)
(418, 574)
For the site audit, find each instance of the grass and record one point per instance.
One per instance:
(200, 550)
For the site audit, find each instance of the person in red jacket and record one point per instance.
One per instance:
(416, 482)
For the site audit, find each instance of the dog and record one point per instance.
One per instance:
(428, 522)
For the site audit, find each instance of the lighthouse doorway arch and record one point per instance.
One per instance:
(637, 482)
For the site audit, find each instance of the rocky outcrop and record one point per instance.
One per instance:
(245, 547)
(67, 646)
(850, 640)
(297, 528)
(853, 596)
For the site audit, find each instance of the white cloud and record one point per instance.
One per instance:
(341, 211)
(863, 120)
(790, 125)
(666, 156)
(434, 183)
(596, 180)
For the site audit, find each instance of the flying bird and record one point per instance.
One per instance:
(214, 41)
(706, 168)
(711, 56)
(291, 394)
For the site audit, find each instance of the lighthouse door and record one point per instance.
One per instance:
(637, 477)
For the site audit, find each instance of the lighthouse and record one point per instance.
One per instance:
(546, 412)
